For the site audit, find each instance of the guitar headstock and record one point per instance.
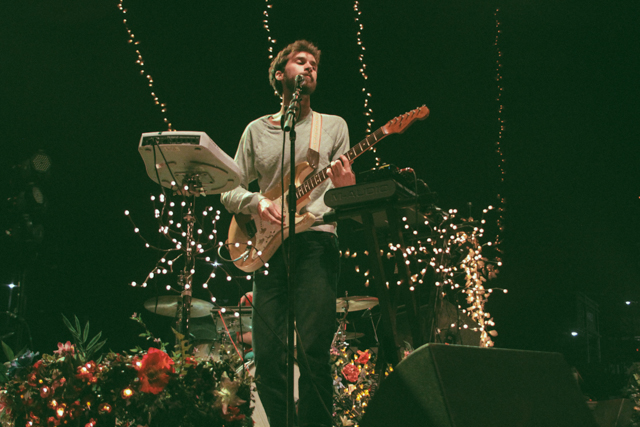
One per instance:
(400, 123)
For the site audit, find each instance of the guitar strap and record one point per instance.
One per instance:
(313, 153)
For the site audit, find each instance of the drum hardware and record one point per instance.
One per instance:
(348, 336)
(344, 305)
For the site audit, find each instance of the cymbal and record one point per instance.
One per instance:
(355, 303)
(167, 305)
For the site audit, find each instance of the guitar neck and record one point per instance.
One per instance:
(318, 178)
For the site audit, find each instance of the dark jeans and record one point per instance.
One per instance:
(317, 269)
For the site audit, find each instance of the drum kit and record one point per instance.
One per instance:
(232, 325)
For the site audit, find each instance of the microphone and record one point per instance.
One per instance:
(293, 105)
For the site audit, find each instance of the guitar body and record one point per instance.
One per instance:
(262, 237)
(252, 242)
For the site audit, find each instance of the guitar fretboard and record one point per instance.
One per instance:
(314, 180)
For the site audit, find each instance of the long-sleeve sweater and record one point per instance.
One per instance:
(259, 158)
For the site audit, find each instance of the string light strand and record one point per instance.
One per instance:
(265, 24)
(368, 111)
(140, 61)
(501, 121)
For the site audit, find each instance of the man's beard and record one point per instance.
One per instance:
(307, 88)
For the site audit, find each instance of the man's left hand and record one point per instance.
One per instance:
(340, 173)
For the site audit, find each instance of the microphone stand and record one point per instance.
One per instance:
(289, 126)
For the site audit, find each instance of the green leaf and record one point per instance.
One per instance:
(78, 326)
(68, 324)
(22, 351)
(7, 351)
(3, 373)
(99, 345)
(94, 340)
(85, 335)
(178, 335)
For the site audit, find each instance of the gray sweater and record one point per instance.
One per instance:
(258, 158)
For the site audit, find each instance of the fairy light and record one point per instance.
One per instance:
(367, 110)
(265, 25)
(445, 252)
(201, 235)
(501, 127)
(140, 61)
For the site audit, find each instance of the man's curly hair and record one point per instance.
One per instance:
(282, 57)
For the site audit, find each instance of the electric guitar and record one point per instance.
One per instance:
(252, 241)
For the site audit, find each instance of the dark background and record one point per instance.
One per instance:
(69, 85)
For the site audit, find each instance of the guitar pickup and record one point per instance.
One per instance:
(251, 228)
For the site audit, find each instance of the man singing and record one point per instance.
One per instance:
(259, 157)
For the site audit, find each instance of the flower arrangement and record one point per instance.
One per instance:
(354, 383)
(135, 388)
(633, 392)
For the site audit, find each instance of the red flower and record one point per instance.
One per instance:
(155, 370)
(58, 383)
(86, 371)
(45, 391)
(350, 372)
(364, 357)
(232, 414)
(32, 379)
(33, 418)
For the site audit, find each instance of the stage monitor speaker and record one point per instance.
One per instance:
(458, 386)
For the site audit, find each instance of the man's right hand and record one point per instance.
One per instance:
(269, 211)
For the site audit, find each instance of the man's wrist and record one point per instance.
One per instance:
(263, 204)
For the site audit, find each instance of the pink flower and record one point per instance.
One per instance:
(66, 349)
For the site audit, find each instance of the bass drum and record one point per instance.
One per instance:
(259, 415)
